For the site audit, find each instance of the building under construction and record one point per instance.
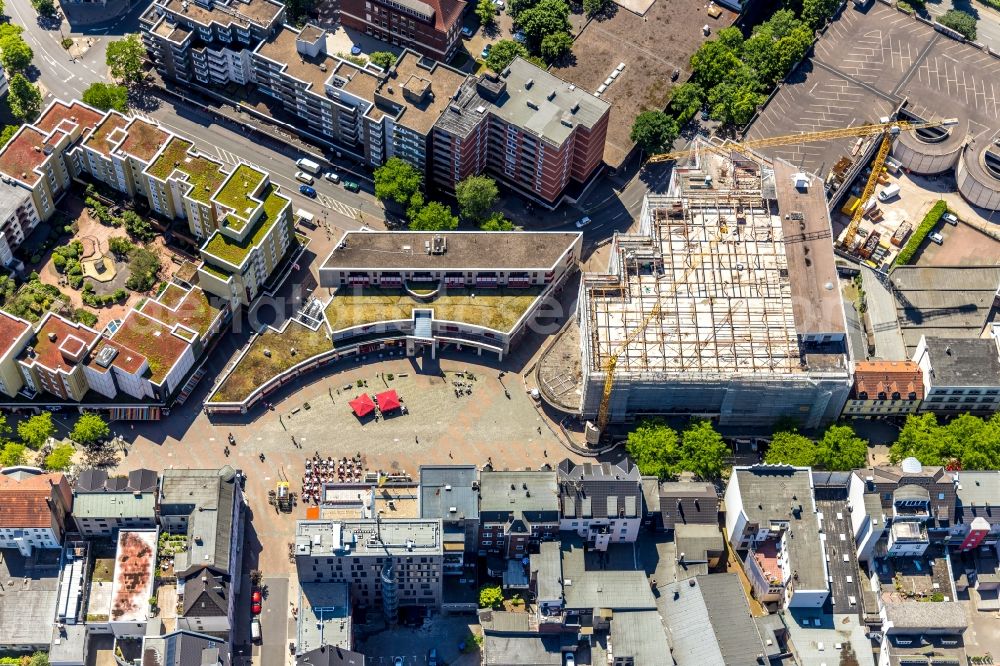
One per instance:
(724, 304)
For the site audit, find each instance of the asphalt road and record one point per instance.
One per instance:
(275, 619)
(988, 27)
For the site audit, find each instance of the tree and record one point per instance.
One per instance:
(90, 429)
(654, 131)
(919, 438)
(144, 267)
(44, 7)
(791, 448)
(653, 447)
(556, 45)
(818, 12)
(39, 659)
(125, 58)
(8, 133)
(703, 450)
(486, 10)
(715, 62)
(959, 21)
(36, 430)
(497, 222)
(595, 7)
(15, 54)
(516, 7)
(1, 8)
(106, 96)
(434, 216)
(476, 195)
(119, 246)
(686, 100)
(841, 450)
(490, 596)
(137, 226)
(7, 29)
(13, 454)
(548, 17)
(60, 459)
(24, 98)
(503, 53)
(399, 181)
(384, 59)
(734, 104)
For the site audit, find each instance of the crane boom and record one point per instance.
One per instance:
(852, 227)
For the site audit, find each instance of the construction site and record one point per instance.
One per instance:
(722, 304)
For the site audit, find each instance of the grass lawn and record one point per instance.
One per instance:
(498, 309)
(104, 570)
(255, 369)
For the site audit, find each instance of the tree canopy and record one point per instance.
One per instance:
(654, 131)
(966, 442)
(555, 46)
(36, 430)
(434, 216)
(13, 454)
(144, 268)
(503, 53)
(657, 450)
(60, 459)
(497, 222)
(486, 10)
(125, 58)
(596, 7)
(24, 98)
(90, 429)
(840, 449)
(44, 7)
(490, 596)
(703, 450)
(15, 54)
(384, 59)
(547, 17)
(959, 21)
(399, 181)
(685, 101)
(476, 196)
(106, 96)
(790, 448)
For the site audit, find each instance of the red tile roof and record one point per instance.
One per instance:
(69, 337)
(874, 377)
(24, 503)
(11, 328)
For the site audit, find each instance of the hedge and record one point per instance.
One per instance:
(905, 255)
(995, 4)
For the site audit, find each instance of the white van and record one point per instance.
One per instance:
(304, 177)
(889, 193)
(307, 164)
(255, 630)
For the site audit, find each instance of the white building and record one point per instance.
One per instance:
(34, 509)
(601, 502)
(960, 374)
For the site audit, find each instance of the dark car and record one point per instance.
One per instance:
(308, 191)
(350, 186)
(432, 657)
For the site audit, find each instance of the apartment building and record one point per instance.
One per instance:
(389, 564)
(103, 505)
(15, 334)
(34, 159)
(207, 42)
(181, 182)
(34, 509)
(53, 361)
(960, 375)
(772, 523)
(528, 128)
(18, 217)
(688, 503)
(517, 509)
(205, 505)
(885, 388)
(601, 502)
(977, 518)
(450, 493)
(255, 233)
(119, 150)
(431, 28)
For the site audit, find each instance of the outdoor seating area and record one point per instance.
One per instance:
(380, 405)
(319, 472)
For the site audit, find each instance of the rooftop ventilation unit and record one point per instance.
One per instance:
(106, 356)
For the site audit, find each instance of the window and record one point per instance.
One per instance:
(940, 496)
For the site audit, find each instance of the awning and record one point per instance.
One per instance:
(387, 400)
(362, 405)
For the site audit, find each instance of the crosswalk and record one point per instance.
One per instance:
(234, 159)
(338, 206)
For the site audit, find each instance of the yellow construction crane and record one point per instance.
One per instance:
(887, 130)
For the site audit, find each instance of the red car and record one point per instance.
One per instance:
(255, 609)
(255, 597)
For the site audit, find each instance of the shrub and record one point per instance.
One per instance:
(120, 295)
(75, 281)
(85, 317)
(67, 43)
(905, 255)
(490, 596)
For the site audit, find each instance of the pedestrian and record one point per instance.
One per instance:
(449, 455)
(416, 439)
(545, 453)
(539, 430)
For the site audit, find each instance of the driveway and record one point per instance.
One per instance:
(275, 621)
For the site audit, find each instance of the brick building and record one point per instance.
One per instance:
(431, 27)
(885, 388)
(517, 509)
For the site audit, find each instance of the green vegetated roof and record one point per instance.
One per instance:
(204, 174)
(215, 271)
(236, 194)
(255, 368)
(234, 252)
(498, 309)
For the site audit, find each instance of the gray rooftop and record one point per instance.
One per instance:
(11, 197)
(532, 496)
(184, 648)
(444, 487)
(544, 104)
(917, 616)
(641, 636)
(492, 250)
(963, 362)
(696, 541)
(979, 495)
(589, 587)
(709, 622)
(546, 571)
(601, 490)
(28, 599)
(326, 538)
(324, 616)
(510, 641)
(775, 493)
(69, 644)
(206, 497)
(114, 505)
(333, 656)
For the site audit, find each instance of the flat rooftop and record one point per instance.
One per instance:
(242, 13)
(143, 140)
(64, 116)
(29, 597)
(864, 67)
(59, 344)
(179, 156)
(25, 153)
(135, 562)
(422, 87)
(722, 280)
(466, 250)
(324, 616)
(11, 328)
(964, 361)
(108, 134)
(321, 538)
(234, 252)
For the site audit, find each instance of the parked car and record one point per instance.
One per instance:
(569, 659)
(432, 657)
(950, 218)
(255, 597)
(332, 177)
(583, 221)
(356, 49)
(936, 237)
(304, 177)
(255, 630)
(351, 186)
(467, 32)
(499, 4)
(704, 114)
(520, 37)
(397, 661)
(256, 608)
(308, 191)
(485, 53)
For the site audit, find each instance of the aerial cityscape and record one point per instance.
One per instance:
(499, 332)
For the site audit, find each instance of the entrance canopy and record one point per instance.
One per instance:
(387, 400)
(362, 405)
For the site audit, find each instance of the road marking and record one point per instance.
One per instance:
(70, 78)
(338, 206)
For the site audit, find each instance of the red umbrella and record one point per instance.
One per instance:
(362, 405)
(387, 400)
